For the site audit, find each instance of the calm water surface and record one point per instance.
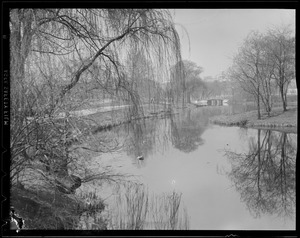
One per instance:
(230, 177)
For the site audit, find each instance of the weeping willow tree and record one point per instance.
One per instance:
(57, 52)
(177, 86)
(75, 40)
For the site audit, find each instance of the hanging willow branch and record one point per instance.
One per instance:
(85, 66)
(53, 49)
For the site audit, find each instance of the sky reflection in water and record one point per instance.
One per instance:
(224, 183)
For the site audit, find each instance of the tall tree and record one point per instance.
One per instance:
(89, 35)
(141, 74)
(254, 69)
(54, 49)
(266, 73)
(246, 67)
(192, 78)
(281, 47)
(186, 75)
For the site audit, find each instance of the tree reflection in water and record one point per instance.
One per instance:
(186, 132)
(144, 139)
(265, 176)
(187, 128)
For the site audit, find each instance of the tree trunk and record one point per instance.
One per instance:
(183, 97)
(17, 63)
(188, 115)
(188, 97)
(269, 145)
(20, 42)
(283, 98)
(284, 103)
(258, 108)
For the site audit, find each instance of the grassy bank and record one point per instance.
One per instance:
(109, 119)
(277, 120)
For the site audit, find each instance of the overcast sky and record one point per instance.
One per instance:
(216, 34)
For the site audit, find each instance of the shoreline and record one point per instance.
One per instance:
(278, 120)
(106, 120)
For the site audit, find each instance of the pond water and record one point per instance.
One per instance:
(229, 177)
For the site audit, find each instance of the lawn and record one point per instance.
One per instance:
(277, 119)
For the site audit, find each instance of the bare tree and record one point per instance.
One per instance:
(253, 68)
(177, 83)
(192, 78)
(266, 73)
(281, 47)
(141, 74)
(89, 35)
(52, 50)
(246, 68)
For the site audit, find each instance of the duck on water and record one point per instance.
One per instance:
(140, 158)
